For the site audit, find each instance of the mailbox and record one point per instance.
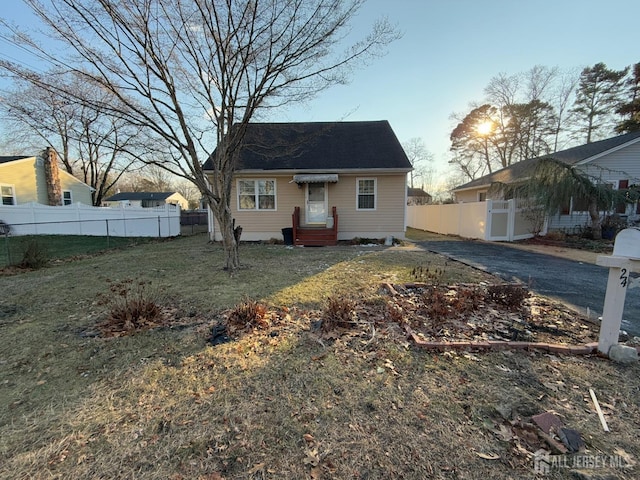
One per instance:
(625, 259)
(627, 244)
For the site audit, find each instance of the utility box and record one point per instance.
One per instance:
(627, 244)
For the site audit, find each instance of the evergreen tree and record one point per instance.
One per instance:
(597, 96)
(630, 110)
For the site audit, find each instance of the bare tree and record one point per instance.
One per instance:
(523, 116)
(419, 157)
(539, 80)
(91, 145)
(561, 95)
(193, 73)
(22, 112)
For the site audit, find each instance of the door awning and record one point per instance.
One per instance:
(316, 178)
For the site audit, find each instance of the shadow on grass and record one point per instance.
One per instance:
(273, 404)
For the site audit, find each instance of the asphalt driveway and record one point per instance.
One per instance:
(578, 284)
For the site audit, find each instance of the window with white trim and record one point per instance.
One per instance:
(366, 194)
(67, 197)
(8, 194)
(256, 194)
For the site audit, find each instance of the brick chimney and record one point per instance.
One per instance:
(52, 177)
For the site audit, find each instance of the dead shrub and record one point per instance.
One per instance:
(427, 275)
(338, 313)
(132, 305)
(35, 256)
(247, 315)
(394, 313)
(436, 303)
(467, 299)
(508, 295)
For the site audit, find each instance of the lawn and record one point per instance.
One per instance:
(284, 400)
(58, 247)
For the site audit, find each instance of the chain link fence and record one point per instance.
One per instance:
(14, 246)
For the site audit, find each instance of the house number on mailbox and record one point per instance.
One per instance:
(624, 277)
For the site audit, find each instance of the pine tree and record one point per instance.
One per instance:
(597, 96)
(630, 110)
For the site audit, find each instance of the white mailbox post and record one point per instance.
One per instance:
(625, 259)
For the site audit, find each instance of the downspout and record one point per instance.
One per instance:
(406, 197)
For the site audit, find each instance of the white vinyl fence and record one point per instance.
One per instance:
(79, 219)
(492, 220)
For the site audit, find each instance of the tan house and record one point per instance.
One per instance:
(319, 182)
(146, 200)
(38, 179)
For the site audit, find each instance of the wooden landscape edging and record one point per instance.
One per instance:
(488, 345)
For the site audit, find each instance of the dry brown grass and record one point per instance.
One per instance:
(281, 401)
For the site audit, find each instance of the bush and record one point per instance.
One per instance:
(509, 295)
(248, 314)
(132, 305)
(339, 313)
(35, 256)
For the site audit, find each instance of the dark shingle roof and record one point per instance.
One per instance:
(326, 146)
(139, 196)
(573, 155)
(13, 158)
(416, 192)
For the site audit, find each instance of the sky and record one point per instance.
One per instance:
(449, 51)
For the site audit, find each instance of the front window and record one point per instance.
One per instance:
(67, 197)
(8, 195)
(256, 194)
(366, 194)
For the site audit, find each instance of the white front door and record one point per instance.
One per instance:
(316, 203)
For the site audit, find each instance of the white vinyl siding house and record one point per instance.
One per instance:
(614, 161)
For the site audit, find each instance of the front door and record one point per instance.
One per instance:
(316, 203)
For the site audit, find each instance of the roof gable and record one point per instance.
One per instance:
(13, 158)
(320, 146)
(572, 156)
(416, 192)
(123, 196)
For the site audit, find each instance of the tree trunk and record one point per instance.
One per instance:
(596, 224)
(230, 236)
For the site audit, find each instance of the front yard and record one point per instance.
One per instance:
(292, 396)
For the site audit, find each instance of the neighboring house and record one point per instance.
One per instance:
(38, 179)
(146, 200)
(615, 161)
(417, 196)
(326, 181)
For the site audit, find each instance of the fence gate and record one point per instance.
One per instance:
(500, 219)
